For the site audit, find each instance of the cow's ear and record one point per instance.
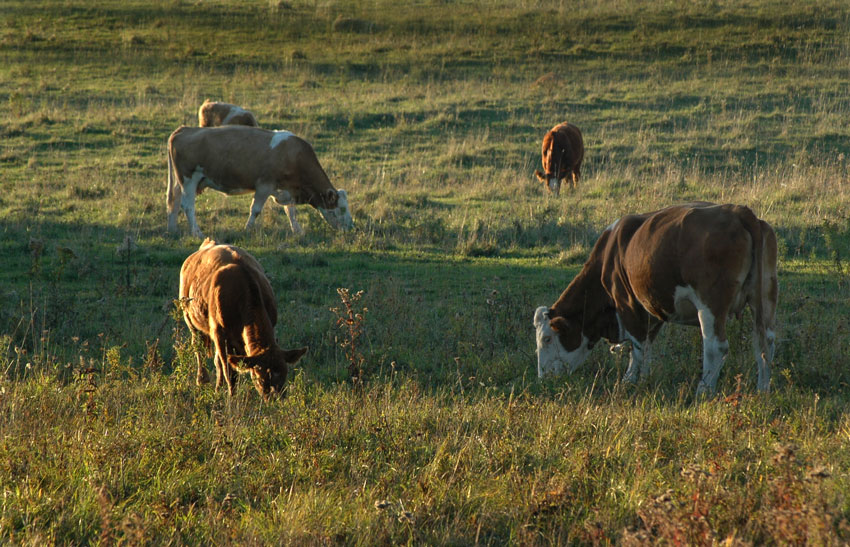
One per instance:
(559, 324)
(292, 356)
(331, 198)
(242, 363)
(540, 176)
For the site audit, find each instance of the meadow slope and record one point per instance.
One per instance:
(430, 117)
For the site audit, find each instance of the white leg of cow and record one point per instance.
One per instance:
(293, 222)
(187, 201)
(763, 352)
(714, 350)
(638, 361)
(260, 197)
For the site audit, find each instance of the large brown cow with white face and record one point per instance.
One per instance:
(563, 152)
(229, 303)
(235, 159)
(694, 264)
(214, 114)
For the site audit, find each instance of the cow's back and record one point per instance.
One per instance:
(569, 137)
(225, 285)
(697, 246)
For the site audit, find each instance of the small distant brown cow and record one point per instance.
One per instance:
(696, 264)
(214, 114)
(563, 151)
(229, 303)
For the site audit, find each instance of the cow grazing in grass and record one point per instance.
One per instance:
(214, 114)
(229, 303)
(694, 264)
(234, 159)
(563, 152)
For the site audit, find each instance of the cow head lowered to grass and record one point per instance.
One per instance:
(563, 152)
(695, 264)
(235, 159)
(229, 304)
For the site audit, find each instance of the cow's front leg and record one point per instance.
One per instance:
(260, 197)
(638, 361)
(715, 346)
(293, 222)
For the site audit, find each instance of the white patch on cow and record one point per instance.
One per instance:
(714, 349)
(234, 111)
(551, 354)
(340, 216)
(686, 304)
(279, 137)
(555, 185)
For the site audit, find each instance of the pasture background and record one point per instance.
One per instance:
(431, 117)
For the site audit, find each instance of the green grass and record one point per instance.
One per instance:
(431, 118)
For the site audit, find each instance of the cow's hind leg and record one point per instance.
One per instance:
(715, 346)
(198, 339)
(763, 349)
(190, 189)
(173, 199)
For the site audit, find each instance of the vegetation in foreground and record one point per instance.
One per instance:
(431, 119)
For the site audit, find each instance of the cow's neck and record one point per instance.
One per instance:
(258, 337)
(586, 301)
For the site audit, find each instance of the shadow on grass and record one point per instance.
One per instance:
(434, 315)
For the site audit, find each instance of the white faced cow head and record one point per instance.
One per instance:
(552, 182)
(559, 342)
(338, 214)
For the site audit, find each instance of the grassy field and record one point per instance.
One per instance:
(430, 116)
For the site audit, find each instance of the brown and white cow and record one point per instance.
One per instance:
(214, 114)
(235, 159)
(563, 152)
(229, 303)
(695, 264)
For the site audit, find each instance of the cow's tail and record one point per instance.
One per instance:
(762, 304)
(173, 191)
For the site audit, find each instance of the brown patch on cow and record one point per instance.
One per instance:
(229, 304)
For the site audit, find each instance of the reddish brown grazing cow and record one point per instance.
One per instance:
(214, 114)
(229, 303)
(563, 152)
(695, 264)
(234, 159)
